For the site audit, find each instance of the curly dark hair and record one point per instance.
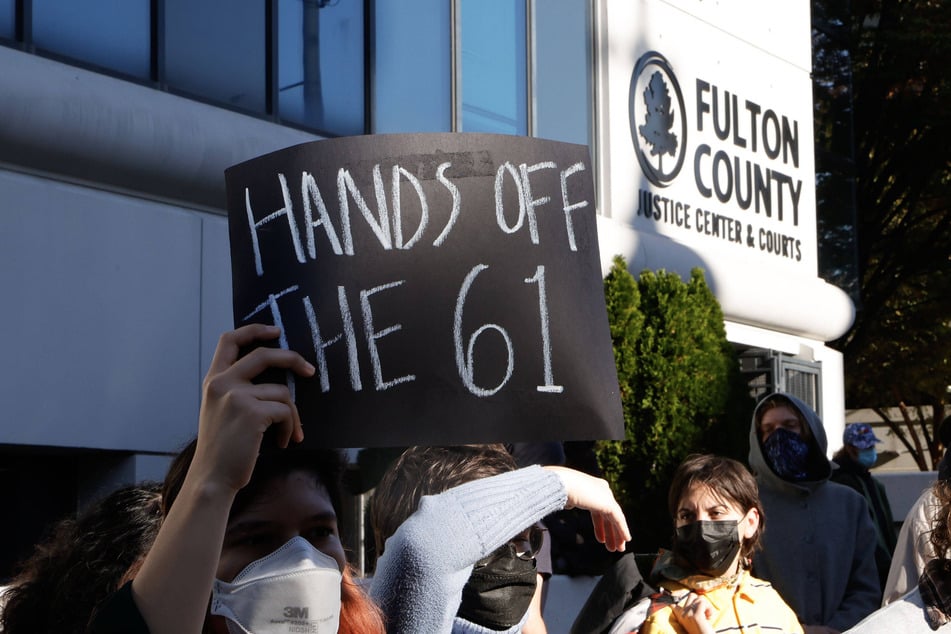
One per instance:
(941, 522)
(81, 562)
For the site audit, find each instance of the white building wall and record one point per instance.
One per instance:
(114, 255)
(757, 58)
(104, 299)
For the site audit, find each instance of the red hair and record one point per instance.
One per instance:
(358, 613)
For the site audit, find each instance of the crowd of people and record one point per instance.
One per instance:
(243, 536)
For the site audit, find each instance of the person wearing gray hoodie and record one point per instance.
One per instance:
(819, 551)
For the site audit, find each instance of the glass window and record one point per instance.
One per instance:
(412, 66)
(112, 34)
(494, 83)
(562, 66)
(216, 49)
(7, 19)
(321, 64)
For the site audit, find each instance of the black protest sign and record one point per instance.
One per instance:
(447, 287)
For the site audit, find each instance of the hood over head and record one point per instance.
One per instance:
(819, 468)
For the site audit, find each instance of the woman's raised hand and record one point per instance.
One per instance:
(235, 411)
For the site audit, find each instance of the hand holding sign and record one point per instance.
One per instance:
(236, 413)
(446, 287)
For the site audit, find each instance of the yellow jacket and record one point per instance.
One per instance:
(751, 606)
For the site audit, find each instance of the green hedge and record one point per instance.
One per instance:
(680, 385)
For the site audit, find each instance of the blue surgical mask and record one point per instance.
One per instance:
(787, 453)
(867, 457)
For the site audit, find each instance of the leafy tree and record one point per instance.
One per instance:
(680, 384)
(898, 54)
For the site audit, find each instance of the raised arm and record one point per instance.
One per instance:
(427, 561)
(174, 585)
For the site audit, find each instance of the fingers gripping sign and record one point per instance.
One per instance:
(236, 412)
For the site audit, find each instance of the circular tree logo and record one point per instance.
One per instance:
(658, 119)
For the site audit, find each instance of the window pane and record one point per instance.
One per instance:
(321, 67)
(113, 34)
(7, 17)
(493, 66)
(412, 66)
(216, 49)
(562, 65)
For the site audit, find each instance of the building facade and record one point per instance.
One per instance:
(117, 121)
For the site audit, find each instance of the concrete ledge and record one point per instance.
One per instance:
(65, 120)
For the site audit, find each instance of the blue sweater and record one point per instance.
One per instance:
(426, 563)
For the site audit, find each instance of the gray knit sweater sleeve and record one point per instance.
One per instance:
(419, 579)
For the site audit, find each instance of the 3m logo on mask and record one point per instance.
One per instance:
(294, 590)
(298, 613)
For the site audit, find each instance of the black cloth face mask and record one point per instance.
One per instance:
(499, 590)
(707, 547)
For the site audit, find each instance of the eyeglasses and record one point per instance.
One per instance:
(523, 546)
(528, 543)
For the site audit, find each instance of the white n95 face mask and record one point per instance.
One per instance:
(294, 589)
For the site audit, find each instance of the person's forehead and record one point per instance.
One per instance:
(299, 489)
(703, 496)
(780, 414)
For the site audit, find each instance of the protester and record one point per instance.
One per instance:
(460, 561)
(927, 607)
(819, 552)
(250, 541)
(83, 560)
(250, 526)
(705, 581)
(856, 456)
(913, 549)
(527, 454)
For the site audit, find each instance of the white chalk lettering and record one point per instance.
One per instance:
(321, 344)
(500, 206)
(271, 304)
(465, 355)
(373, 335)
(456, 202)
(380, 226)
(397, 209)
(310, 192)
(539, 278)
(286, 210)
(531, 203)
(569, 207)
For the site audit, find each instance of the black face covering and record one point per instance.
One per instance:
(707, 547)
(499, 590)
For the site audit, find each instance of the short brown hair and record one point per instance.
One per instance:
(423, 471)
(726, 478)
(780, 400)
